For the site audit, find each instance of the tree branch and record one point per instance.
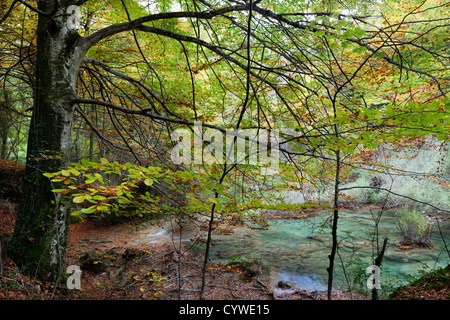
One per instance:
(394, 193)
(11, 8)
(134, 24)
(126, 77)
(34, 9)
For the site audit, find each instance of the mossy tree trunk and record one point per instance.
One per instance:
(39, 239)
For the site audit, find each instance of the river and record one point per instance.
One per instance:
(297, 249)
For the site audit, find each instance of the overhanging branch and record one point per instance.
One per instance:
(149, 114)
(134, 24)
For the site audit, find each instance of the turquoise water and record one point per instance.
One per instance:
(297, 249)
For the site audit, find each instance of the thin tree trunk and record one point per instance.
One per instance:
(209, 237)
(378, 262)
(334, 226)
(207, 244)
(332, 255)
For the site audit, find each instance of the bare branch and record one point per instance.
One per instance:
(134, 24)
(394, 193)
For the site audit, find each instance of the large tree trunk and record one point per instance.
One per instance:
(39, 240)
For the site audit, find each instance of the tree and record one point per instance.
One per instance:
(307, 68)
(39, 239)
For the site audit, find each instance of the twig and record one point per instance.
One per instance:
(442, 236)
(396, 194)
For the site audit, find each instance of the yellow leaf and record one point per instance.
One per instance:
(79, 199)
(65, 173)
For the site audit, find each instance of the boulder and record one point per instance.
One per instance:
(95, 262)
(92, 261)
(284, 284)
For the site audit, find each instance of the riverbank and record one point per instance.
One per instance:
(150, 272)
(126, 269)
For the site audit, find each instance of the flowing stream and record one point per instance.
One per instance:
(297, 250)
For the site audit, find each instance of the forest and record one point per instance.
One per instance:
(224, 150)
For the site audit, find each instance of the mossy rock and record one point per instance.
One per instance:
(95, 262)
(92, 261)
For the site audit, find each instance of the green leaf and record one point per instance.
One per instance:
(359, 50)
(320, 33)
(345, 44)
(98, 177)
(148, 182)
(102, 208)
(348, 33)
(59, 190)
(75, 172)
(379, 54)
(98, 197)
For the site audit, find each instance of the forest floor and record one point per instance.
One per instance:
(115, 268)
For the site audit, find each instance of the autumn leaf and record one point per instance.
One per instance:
(48, 175)
(63, 191)
(213, 200)
(79, 199)
(65, 173)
